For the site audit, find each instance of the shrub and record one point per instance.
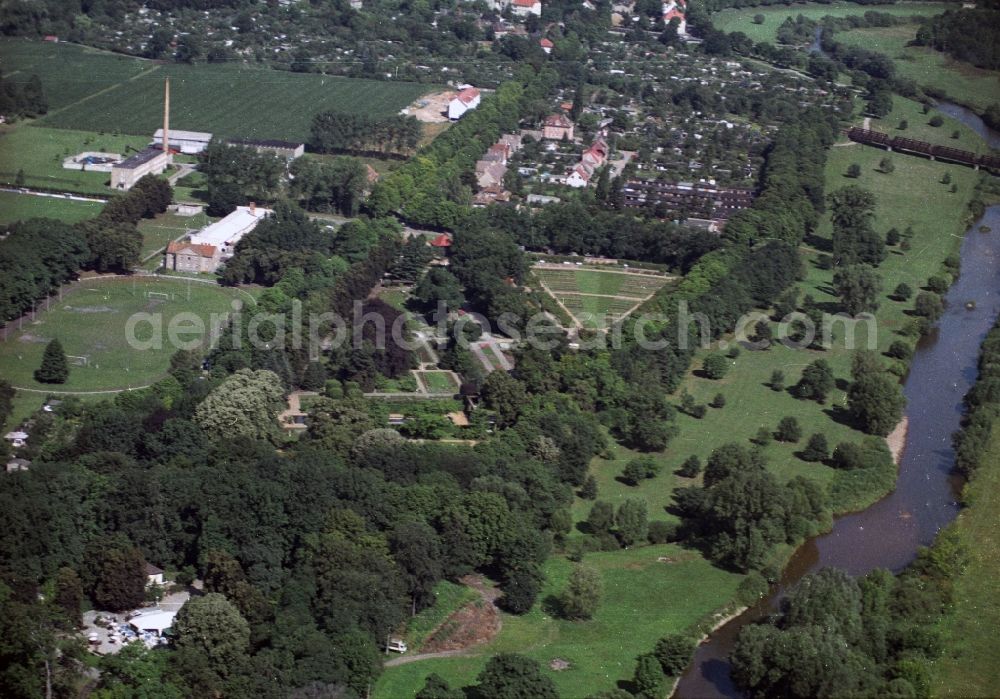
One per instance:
(719, 401)
(640, 468)
(662, 532)
(777, 381)
(899, 350)
(936, 121)
(848, 456)
(691, 467)
(892, 237)
(903, 292)
(886, 165)
(674, 653)
(928, 305)
(788, 430)
(946, 179)
(715, 366)
(588, 491)
(938, 284)
(763, 437)
(816, 449)
(698, 411)
(854, 170)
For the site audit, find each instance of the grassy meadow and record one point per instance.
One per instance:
(741, 19)
(157, 232)
(20, 207)
(90, 320)
(934, 70)
(648, 592)
(968, 667)
(40, 152)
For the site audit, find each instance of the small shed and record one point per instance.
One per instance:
(154, 576)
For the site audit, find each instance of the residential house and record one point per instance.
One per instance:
(186, 256)
(556, 127)
(524, 8)
(154, 576)
(580, 176)
(546, 45)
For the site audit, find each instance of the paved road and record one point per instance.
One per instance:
(54, 195)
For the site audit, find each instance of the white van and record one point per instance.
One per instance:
(397, 645)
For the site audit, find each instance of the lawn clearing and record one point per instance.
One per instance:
(439, 381)
(935, 70)
(968, 666)
(234, 101)
(90, 322)
(20, 207)
(449, 598)
(39, 152)
(159, 231)
(741, 20)
(644, 598)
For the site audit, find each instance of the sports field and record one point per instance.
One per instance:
(20, 207)
(649, 592)
(595, 297)
(932, 69)
(741, 19)
(90, 322)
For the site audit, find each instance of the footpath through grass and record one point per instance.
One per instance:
(969, 666)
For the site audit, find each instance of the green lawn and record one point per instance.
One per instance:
(159, 231)
(68, 72)
(20, 207)
(90, 320)
(741, 19)
(40, 153)
(932, 69)
(643, 599)
(438, 381)
(968, 667)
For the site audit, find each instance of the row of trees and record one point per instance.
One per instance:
(342, 132)
(964, 34)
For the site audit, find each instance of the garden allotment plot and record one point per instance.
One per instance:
(90, 323)
(596, 298)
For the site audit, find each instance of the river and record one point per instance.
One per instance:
(887, 534)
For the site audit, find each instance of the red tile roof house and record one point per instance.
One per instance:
(556, 127)
(546, 45)
(523, 8)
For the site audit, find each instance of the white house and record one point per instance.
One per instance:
(154, 576)
(523, 8)
(466, 100)
(580, 177)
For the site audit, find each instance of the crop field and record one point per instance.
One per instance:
(439, 381)
(596, 298)
(68, 72)
(931, 69)
(634, 613)
(91, 322)
(39, 152)
(232, 101)
(741, 20)
(20, 207)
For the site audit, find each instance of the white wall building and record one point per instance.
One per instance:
(184, 141)
(226, 233)
(151, 161)
(466, 100)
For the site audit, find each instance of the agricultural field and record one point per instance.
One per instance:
(439, 381)
(634, 613)
(934, 70)
(20, 207)
(39, 152)
(69, 73)
(90, 321)
(741, 19)
(596, 298)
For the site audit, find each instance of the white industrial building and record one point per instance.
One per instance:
(224, 234)
(190, 142)
(152, 161)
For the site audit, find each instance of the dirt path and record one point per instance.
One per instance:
(477, 623)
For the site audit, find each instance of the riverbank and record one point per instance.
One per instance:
(897, 439)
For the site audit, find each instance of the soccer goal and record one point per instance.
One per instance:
(78, 360)
(160, 295)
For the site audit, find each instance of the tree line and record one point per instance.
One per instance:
(23, 99)
(341, 132)
(964, 34)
